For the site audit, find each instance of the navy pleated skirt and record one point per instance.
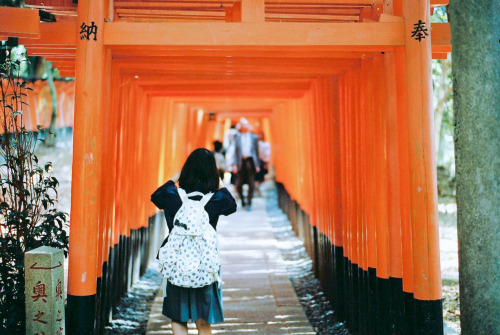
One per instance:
(190, 304)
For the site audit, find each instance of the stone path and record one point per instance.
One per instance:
(257, 294)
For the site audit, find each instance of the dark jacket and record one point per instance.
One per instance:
(238, 158)
(167, 198)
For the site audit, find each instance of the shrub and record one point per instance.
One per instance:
(28, 217)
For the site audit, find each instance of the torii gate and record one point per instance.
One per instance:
(344, 86)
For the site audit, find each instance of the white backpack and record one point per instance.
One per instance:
(190, 258)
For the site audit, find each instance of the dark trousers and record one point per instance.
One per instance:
(246, 175)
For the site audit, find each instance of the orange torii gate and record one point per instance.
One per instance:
(342, 86)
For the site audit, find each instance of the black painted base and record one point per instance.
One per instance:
(429, 315)
(80, 317)
(368, 304)
(127, 260)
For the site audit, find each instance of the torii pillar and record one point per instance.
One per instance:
(83, 244)
(422, 168)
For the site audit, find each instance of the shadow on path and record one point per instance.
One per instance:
(257, 294)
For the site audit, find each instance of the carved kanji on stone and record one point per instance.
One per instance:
(38, 317)
(39, 292)
(59, 291)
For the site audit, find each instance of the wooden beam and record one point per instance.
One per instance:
(19, 22)
(223, 95)
(67, 73)
(63, 63)
(231, 2)
(240, 34)
(54, 34)
(315, 10)
(57, 58)
(154, 13)
(130, 52)
(439, 3)
(311, 17)
(204, 69)
(224, 87)
(439, 55)
(225, 104)
(390, 18)
(252, 11)
(322, 34)
(440, 35)
(320, 2)
(440, 40)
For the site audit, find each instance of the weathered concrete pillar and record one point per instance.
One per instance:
(44, 279)
(475, 33)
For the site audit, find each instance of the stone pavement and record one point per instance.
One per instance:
(257, 294)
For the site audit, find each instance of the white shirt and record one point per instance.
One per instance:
(246, 145)
(264, 151)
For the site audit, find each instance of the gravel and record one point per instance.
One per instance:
(299, 266)
(131, 316)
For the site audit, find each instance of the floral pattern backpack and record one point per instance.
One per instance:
(191, 257)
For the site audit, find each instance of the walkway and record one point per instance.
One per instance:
(258, 296)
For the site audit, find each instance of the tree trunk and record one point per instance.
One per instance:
(475, 32)
(50, 140)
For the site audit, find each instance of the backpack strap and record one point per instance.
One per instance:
(206, 198)
(195, 193)
(182, 194)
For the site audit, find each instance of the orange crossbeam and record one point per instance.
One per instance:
(19, 22)
(240, 34)
(439, 3)
(66, 34)
(67, 73)
(439, 55)
(441, 37)
(54, 34)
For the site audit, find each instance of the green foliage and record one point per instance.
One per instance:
(28, 217)
(443, 92)
(440, 14)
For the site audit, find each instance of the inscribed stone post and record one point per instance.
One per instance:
(44, 279)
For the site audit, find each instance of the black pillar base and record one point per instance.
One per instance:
(429, 317)
(80, 316)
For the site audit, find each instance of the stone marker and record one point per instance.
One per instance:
(44, 279)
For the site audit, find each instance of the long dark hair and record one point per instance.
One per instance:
(199, 173)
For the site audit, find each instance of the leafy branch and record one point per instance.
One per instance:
(28, 195)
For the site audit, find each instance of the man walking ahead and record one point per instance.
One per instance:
(246, 162)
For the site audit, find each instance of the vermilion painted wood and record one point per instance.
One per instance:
(54, 34)
(106, 167)
(393, 163)
(361, 169)
(19, 22)
(404, 171)
(245, 33)
(290, 71)
(370, 185)
(382, 231)
(337, 237)
(423, 189)
(87, 141)
(441, 37)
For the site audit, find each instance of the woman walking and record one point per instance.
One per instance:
(198, 180)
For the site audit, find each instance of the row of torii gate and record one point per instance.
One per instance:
(343, 91)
